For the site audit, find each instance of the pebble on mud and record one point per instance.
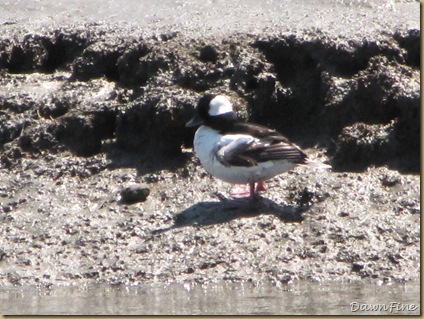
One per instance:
(134, 194)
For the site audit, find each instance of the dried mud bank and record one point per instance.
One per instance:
(87, 112)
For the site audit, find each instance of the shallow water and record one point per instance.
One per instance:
(304, 298)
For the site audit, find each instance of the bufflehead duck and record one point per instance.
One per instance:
(238, 152)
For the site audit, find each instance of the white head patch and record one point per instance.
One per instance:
(219, 105)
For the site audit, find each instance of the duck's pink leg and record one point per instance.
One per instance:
(244, 190)
(240, 190)
(260, 187)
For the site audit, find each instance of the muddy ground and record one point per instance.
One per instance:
(86, 111)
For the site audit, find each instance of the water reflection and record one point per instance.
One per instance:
(304, 298)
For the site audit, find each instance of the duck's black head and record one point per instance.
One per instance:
(213, 110)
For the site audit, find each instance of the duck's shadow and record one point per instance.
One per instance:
(210, 213)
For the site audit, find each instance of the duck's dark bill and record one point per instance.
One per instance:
(195, 121)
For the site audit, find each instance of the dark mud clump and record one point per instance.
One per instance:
(134, 194)
(86, 113)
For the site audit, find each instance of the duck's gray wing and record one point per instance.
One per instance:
(252, 144)
(246, 150)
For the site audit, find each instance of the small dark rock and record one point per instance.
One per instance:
(357, 267)
(343, 214)
(134, 194)
(190, 270)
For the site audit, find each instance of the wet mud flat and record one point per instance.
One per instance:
(215, 298)
(88, 111)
